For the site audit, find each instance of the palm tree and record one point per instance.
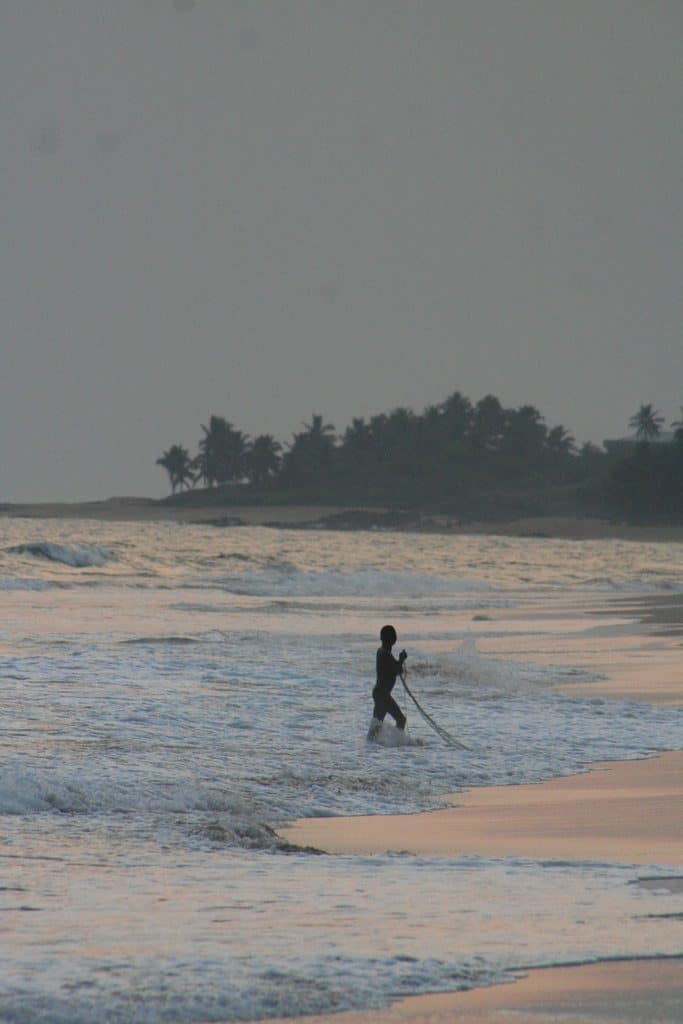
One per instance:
(559, 442)
(358, 437)
(320, 434)
(378, 428)
(431, 434)
(262, 459)
(488, 423)
(221, 452)
(310, 453)
(178, 464)
(678, 428)
(457, 415)
(400, 421)
(647, 423)
(357, 443)
(356, 454)
(399, 457)
(525, 432)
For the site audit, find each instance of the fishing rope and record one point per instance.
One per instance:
(449, 740)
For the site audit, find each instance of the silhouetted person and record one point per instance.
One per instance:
(388, 669)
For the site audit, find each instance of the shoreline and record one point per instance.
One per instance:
(617, 811)
(622, 811)
(629, 991)
(336, 517)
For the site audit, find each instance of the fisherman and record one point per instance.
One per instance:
(388, 669)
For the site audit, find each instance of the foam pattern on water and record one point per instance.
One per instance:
(264, 735)
(170, 695)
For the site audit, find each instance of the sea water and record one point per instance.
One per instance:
(172, 693)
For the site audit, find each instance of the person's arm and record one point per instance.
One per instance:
(399, 662)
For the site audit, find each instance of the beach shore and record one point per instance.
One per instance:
(629, 812)
(337, 517)
(625, 992)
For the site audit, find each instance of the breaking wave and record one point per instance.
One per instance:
(30, 791)
(78, 556)
(472, 670)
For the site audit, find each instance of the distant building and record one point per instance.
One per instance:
(624, 445)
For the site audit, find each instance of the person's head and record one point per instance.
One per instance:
(387, 635)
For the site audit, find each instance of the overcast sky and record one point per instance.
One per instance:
(267, 209)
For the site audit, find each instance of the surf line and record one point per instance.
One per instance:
(448, 739)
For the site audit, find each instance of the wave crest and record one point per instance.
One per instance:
(79, 556)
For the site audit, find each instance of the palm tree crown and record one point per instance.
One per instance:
(310, 453)
(262, 458)
(178, 464)
(678, 428)
(222, 452)
(647, 423)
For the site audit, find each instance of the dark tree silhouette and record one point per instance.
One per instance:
(262, 459)
(178, 464)
(474, 461)
(647, 423)
(560, 443)
(678, 429)
(222, 452)
(456, 414)
(357, 439)
(590, 456)
(309, 457)
(357, 446)
(525, 433)
(488, 424)
(648, 484)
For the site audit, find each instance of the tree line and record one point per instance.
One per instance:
(452, 450)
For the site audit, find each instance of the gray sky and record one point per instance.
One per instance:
(267, 209)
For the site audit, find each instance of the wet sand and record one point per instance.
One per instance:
(629, 812)
(632, 647)
(623, 992)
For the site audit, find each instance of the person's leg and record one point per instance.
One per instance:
(394, 710)
(378, 713)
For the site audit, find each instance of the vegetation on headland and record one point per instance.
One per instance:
(462, 459)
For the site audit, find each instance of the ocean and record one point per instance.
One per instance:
(171, 694)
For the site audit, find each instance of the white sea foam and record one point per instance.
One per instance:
(26, 791)
(472, 670)
(78, 556)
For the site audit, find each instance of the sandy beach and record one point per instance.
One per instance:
(628, 992)
(630, 812)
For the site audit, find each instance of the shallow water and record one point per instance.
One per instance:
(173, 693)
